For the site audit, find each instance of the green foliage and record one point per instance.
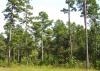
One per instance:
(2, 48)
(72, 62)
(44, 42)
(92, 8)
(98, 64)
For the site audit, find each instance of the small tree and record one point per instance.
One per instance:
(40, 27)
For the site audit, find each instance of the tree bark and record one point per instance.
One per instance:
(86, 34)
(9, 48)
(19, 55)
(70, 41)
(42, 45)
(9, 55)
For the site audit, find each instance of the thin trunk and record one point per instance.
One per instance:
(42, 51)
(27, 55)
(95, 51)
(42, 45)
(9, 55)
(19, 55)
(9, 49)
(70, 42)
(26, 31)
(10, 36)
(86, 35)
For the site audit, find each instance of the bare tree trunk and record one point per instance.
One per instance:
(26, 31)
(42, 51)
(26, 41)
(95, 52)
(86, 35)
(27, 51)
(9, 49)
(70, 41)
(19, 55)
(9, 55)
(42, 47)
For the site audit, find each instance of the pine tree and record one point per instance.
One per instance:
(27, 20)
(71, 7)
(11, 15)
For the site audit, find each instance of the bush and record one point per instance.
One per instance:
(72, 62)
(98, 64)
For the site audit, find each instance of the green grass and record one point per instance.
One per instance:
(41, 68)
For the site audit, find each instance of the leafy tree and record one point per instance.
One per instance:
(41, 30)
(60, 42)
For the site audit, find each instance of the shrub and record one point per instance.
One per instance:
(98, 64)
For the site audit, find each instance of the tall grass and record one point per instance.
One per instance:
(41, 68)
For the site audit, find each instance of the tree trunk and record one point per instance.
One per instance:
(9, 55)
(42, 47)
(19, 55)
(95, 51)
(9, 48)
(86, 35)
(70, 41)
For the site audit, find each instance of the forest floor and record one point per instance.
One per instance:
(41, 68)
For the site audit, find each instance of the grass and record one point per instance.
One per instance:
(41, 68)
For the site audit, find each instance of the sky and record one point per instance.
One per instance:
(2, 7)
(51, 7)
